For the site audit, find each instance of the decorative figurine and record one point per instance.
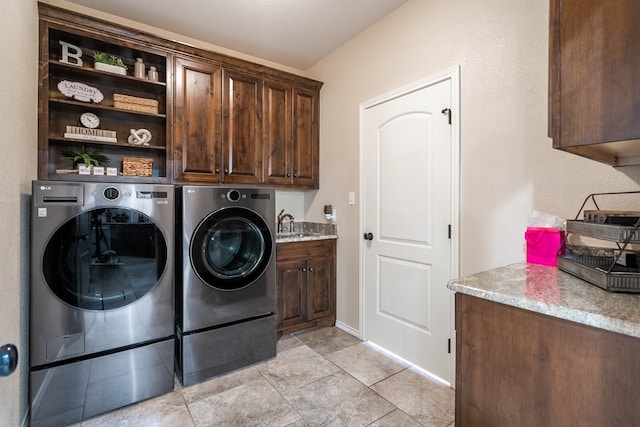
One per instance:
(139, 137)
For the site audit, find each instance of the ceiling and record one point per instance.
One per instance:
(295, 33)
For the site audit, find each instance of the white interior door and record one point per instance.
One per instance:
(407, 209)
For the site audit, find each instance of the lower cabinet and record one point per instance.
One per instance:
(516, 367)
(306, 285)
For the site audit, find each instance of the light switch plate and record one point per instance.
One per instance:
(352, 198)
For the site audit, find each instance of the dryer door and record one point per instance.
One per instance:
(104, 258)
(231, 248)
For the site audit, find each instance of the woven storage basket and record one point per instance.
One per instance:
(133, 103)
(137, 166)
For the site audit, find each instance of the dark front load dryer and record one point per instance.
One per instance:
(225, 280)
(101, 302)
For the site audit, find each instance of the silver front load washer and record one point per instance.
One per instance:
(101, 307)
(225, 280)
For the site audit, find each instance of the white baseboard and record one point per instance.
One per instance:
(348, 329)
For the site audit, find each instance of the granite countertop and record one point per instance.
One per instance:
(307, 231)
(550, 291)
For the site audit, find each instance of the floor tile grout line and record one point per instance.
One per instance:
(341, 370)
(325, 357)
(280, 392)
(390, 376)
(186, 404)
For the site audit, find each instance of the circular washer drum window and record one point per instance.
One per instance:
(105, 258)
(231, 248)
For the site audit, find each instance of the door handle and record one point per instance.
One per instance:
(8, 359)
(368, 236)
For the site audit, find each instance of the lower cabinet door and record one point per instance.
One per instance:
(292, 296)
(306, 284)
(321, 299)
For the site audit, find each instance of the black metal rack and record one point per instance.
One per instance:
(600, 266)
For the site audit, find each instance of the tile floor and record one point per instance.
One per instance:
(320, 377)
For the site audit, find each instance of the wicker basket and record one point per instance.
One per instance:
(133, 103)
(137, 166)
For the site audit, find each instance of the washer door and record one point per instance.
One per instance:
(104, 258)
(231, 248)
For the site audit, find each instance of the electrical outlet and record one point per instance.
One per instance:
(352, 198)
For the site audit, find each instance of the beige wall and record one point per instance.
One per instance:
(18, 132)
(508, 167)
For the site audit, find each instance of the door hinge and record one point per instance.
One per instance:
(449, 231)
(449, 346)
(447, 111)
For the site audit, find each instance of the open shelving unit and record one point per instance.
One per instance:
(57, 110)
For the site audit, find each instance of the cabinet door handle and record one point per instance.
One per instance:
(303, 269)
(288, 175)
(311, 269)
(226, 171)
(217, 170)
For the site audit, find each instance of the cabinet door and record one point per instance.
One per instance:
(241, 127)
(291, 293)
(305, 137)
(594, 65)
(276, 133)
(321, 299)
(197, 121)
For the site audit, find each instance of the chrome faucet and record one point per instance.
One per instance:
(281, 217)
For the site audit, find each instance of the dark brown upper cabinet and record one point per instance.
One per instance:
(197, 127)
(594, 66)
(291, 139)
(219, 119)
(241, 128)
(217, 136)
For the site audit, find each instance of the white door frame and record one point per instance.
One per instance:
(452, 74)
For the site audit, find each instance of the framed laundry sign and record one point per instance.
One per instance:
(80, 91)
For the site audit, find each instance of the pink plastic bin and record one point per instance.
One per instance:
(543, 244)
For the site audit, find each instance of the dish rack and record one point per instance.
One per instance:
(602, 267)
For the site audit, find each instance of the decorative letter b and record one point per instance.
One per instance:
(69, 50)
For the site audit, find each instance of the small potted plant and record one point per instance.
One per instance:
(85, 159)
(109, 63)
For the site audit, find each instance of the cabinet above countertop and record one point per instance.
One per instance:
(549, 291)
(594, 100)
